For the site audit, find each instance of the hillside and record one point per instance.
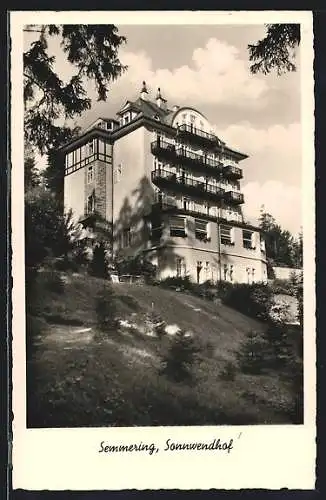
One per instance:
(75, 379)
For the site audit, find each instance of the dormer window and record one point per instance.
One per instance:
(126, 119)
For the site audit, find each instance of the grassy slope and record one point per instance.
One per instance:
(76, 381)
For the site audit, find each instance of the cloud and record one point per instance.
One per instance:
(272, 171)
(283, 140)
(279, 199)
(216, 74)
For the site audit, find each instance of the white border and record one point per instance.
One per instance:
(270, 457)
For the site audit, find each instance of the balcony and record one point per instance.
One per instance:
(194, 135)
(184, 156)
(163, 149)
(234, 197)
(232, 172)
(180, 183)
(198, 161)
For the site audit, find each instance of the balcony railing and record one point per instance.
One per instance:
(234, 197)
(163, 149)
(185, 184)
(184, 156)
(232, 172)
(198, 160)
(193, 134)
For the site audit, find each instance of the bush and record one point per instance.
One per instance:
(180, 358)
(137, 266)
(281, 347)
(253, 354)
(53, 281)
(34, 328)
(98, 266)
(178, 283)
(254, 300)
(228, 373)
(157, 323)
(106, 310)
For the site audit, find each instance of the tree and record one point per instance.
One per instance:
(99, 265)
(281, 247)
(48, 232)
(31, 175)
(49, 101)
(276, 50)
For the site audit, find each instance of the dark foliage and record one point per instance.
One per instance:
(137, 266)
(253, 300)
(46, 228)
(282, 248)
(229, 372)
(98, 266)
(181, 356)
(106, 310)
(276, 50)
(31, 175)
(93, 51)
(253, 353)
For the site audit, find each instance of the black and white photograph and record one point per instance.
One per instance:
(163, 179)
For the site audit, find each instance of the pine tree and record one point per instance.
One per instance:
(277, 50)
(49, 101)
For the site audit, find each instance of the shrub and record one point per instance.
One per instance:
(53, 281)
(98, 266)
(254, 300)
(136, 266)
(229, 372)
(253, 354)
(281, 347)
(34, 328)
(106, 310)
(299, 296)
(157, 323)
(178, 283)
(181, 356)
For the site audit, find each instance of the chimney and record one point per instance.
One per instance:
(144, 92)
(160, 101)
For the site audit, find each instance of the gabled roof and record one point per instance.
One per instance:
(147, 108)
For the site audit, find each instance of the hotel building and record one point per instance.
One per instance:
(159, 181)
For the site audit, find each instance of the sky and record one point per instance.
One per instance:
(207, 67)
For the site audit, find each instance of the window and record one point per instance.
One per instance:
(200, 229)
(126, 119)
(126, 237)
(90, 148)
(109, 125)
(225, 270)
(117, 174)
(253, 274)
(181, 267)
(207, 271)
(247, 239)
(90, 207)
(262, 245)
(226, 234)
(192, 119)
(177, 226)
(90, 174)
